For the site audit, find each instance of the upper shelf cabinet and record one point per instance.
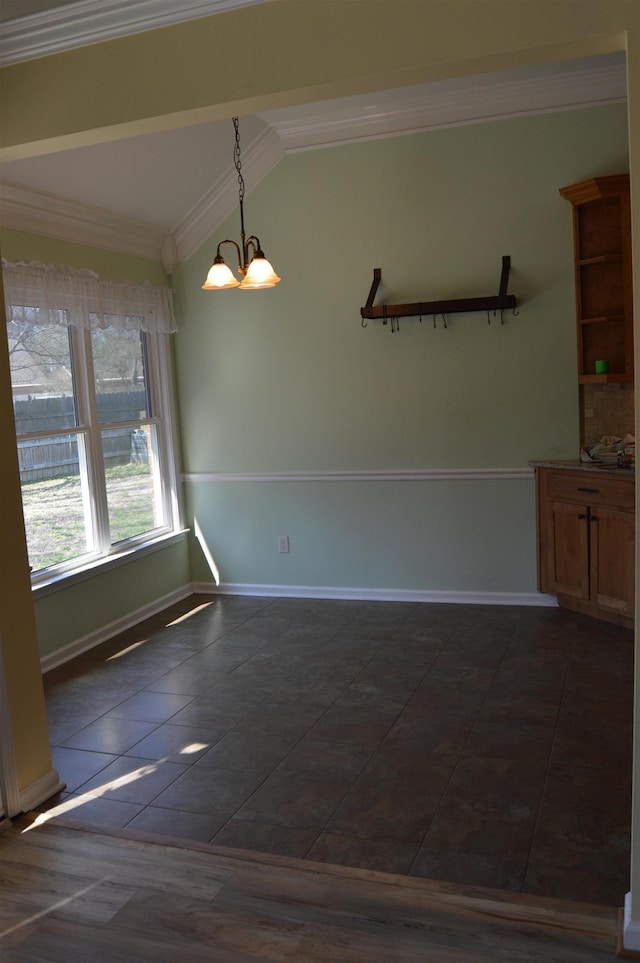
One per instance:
(602, 253)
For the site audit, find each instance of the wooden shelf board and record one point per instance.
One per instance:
(602, 320)
(612, 377)
(599, 259)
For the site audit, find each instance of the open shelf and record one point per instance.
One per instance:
(602, 259)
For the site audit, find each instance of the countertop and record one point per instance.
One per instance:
(577, 465)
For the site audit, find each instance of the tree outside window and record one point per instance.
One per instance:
(92, 412)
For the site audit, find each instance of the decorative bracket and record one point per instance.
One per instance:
(493, 303)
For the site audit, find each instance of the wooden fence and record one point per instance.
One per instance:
(57, 456)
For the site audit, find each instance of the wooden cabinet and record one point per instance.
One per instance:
(586, 541)
(602, 257)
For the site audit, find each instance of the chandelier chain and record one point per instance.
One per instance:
(236, 159)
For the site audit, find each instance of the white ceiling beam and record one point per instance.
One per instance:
(584, 83)
(588, 82)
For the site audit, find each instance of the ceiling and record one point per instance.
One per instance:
(11, 9)
(161, 195)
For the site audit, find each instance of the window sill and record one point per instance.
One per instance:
(64, 580)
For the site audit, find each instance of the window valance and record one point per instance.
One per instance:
(51, 294)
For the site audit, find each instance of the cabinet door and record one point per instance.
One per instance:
(571, 549)
(612, 539)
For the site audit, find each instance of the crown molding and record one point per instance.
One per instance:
(219, 202)
(409, 110)
(37, 212)
(90, 21)
(450, 103)
(586, 83)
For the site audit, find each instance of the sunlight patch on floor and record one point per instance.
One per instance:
(54, 907)
(195, 747)
(76, 802)
(129, 648)
(190, 613)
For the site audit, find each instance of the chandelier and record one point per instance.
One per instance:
(256, 272)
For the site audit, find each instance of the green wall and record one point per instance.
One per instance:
(21, 246)
(104, 604)
(287, 380)
(84, 609)
(403, 537)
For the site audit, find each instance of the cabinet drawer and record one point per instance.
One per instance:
(589, 489)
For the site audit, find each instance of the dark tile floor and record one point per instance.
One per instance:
(474, 744)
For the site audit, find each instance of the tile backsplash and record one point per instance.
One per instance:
(606, 410)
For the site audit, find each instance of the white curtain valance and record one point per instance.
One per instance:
(50, 294)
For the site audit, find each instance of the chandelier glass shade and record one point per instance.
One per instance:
(254, 269)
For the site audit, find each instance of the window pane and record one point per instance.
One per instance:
(55, 499)
(119, 366)
(41, 376)
(133, 491)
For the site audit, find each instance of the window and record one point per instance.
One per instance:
(91, 398)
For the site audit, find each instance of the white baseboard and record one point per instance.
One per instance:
(90, 641)
(376, 595)
(105, 632)
(42, 789)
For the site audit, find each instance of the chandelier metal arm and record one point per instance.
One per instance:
(253, 245)
(250, 249)
(220, 259)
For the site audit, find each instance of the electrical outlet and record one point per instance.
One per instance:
(283, 543)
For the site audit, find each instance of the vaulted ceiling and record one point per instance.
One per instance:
(166, 192)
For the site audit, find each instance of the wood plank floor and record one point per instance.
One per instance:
(71, 895)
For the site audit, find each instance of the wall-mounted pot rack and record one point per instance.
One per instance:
(418, 309)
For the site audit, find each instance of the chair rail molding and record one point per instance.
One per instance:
(384, 475)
